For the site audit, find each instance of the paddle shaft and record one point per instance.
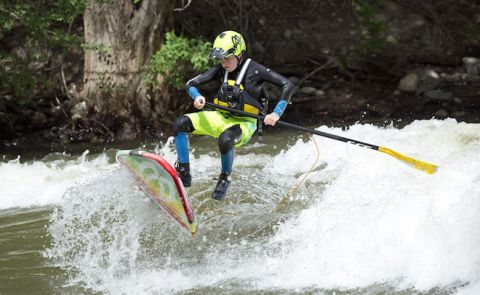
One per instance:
(296, 127)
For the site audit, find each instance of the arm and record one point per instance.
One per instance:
(287, 91)
(193, 84)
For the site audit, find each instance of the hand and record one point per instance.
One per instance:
(199, 102)
(271, 119)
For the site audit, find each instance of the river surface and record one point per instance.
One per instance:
(361, 222)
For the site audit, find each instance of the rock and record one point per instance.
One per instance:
(79, 110)
(39, 119)
(472, 65)
(427, 80)
(439, 95)
(64, 138)
(409, 83)
(382, 108)
(459, 114)
(452, 78)
(441, 114)
(308, 90)
(319, 93)
(420, 81)
(391, 39)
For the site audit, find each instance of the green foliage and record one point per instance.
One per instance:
(375, 39)
(31, 32)
(18, 80)
(177, 57)
(472, 34)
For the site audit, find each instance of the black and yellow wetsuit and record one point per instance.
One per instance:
(243, 90)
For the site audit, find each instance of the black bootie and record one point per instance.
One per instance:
(222, 187)
(183, 170)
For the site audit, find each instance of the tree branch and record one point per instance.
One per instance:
(12, 14)
(184, 7)
(313, 72)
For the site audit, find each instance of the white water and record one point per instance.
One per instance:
(41, 183)
(372, 221)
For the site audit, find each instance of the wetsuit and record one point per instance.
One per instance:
(232, 130)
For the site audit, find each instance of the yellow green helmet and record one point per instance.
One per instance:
(228, 43)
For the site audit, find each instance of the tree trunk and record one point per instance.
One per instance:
(120, 38)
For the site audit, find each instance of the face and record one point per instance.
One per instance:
(229, 63)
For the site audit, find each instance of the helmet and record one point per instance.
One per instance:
(227, 44)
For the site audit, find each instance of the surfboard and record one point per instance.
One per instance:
(160, 182)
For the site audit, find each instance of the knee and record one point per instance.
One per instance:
(226, 142)
(182, 124)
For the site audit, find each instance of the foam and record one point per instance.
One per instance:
(42, 183)
(370, 221)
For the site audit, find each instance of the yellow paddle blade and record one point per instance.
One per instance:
(420, 165)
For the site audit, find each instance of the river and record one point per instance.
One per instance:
(361, 223)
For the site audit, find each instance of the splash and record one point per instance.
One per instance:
(362, 222)
(41, 183)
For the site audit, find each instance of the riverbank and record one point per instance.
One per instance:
(329, 99)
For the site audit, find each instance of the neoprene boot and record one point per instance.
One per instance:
(221, 189)
(183, 170)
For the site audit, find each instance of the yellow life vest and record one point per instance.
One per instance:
(232, 94)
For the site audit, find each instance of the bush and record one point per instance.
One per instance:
(178, 57)
(375, 41)
(32, 35)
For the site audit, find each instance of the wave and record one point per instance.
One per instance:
(362, 221)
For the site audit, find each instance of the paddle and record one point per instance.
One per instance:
(420, 165)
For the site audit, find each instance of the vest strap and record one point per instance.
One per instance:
(240, 76)
(242, 72)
